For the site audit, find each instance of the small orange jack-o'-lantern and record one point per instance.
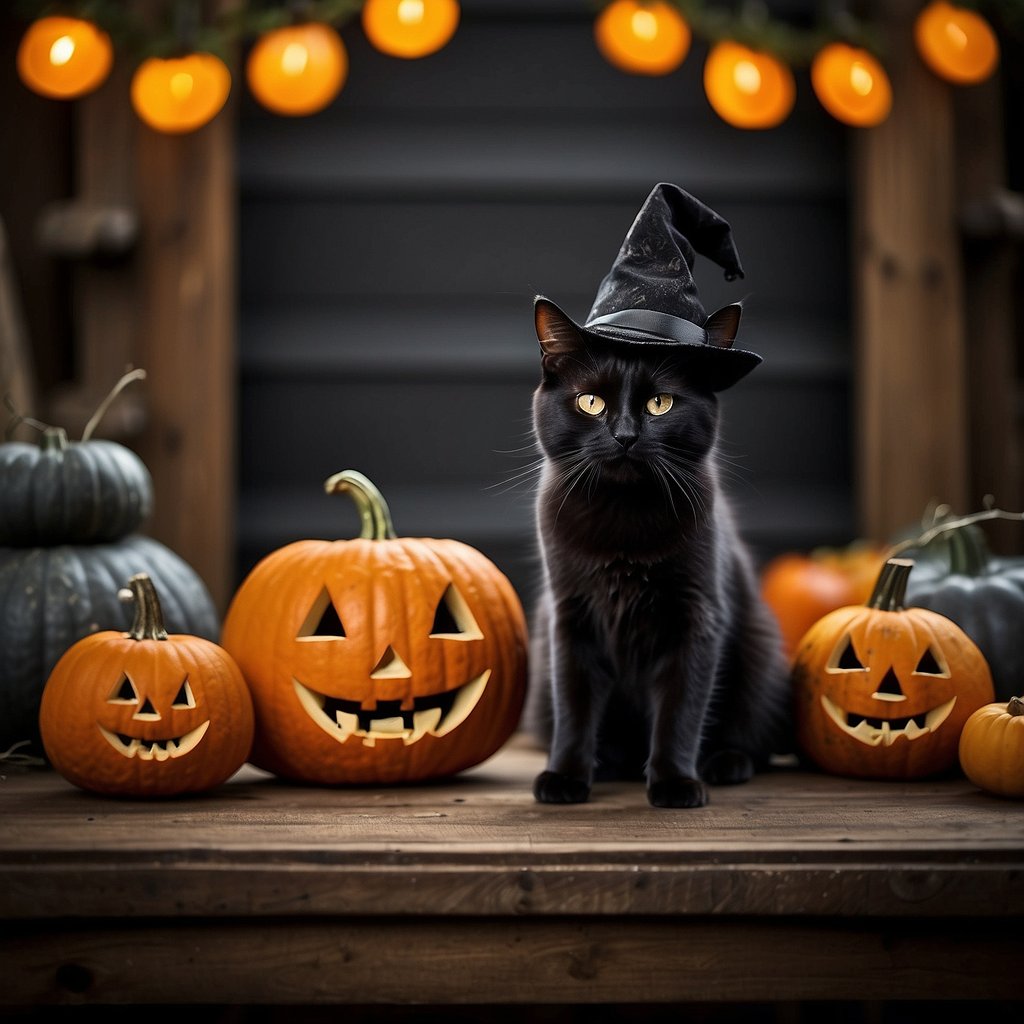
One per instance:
(143, 713)
(883, 691)
(379, 659)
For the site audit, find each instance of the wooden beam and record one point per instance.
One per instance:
(186, 341)
(911, 385)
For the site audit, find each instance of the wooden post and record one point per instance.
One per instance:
(186, 341)
(991, 222)
(912, 413)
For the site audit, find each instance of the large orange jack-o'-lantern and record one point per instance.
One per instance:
(883, 691)
(378, 659)
(145, 713)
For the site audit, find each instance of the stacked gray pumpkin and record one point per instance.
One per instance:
(70, 521)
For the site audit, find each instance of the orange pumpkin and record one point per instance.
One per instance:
(883, 691)
(992, 748)
(143, 713)
(800, 588)
(378, 659)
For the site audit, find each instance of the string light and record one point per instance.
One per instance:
(64, 58)
(410, 28)
(957, 44)
(298, 69)
(851, 85)
(180, 94)
(643, 38)
(748, 88)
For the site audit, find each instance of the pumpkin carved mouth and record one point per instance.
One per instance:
(886, 731)
(155, 750)
(435, 714)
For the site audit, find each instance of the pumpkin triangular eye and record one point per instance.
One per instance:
(929, 665)
(323, 621)
(124, 692)
(184, 697)
(844, 658)
(453, 620)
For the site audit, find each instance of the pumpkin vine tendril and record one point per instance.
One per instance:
(990, 512)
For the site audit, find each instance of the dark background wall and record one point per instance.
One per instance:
(391, 246)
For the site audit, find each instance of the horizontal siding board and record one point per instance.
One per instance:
(481, 340)
(313, 249)
(609, 156)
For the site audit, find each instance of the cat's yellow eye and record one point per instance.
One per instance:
(659, 405)
(592, 405)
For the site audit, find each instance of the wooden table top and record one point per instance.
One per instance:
(789, 842)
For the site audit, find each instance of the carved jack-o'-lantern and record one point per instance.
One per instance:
(145, 713)
(883, 691)
(378, 659)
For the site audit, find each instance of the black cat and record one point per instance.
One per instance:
(652, 653)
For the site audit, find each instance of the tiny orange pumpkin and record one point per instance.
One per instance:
(883, 691)
(144, 713)
(992, 748)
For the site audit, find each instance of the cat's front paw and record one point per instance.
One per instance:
(681, 792)
(728, 768)
(556, 788)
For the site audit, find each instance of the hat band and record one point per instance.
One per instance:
(651, 325)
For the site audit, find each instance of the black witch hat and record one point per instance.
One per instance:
(649, 296)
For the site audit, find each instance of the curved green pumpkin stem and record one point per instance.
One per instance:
(148, 623)
(54, 439)
(373, 509)
(891, 588)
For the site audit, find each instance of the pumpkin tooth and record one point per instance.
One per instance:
(423, 722)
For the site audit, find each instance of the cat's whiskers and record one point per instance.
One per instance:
(680, 474)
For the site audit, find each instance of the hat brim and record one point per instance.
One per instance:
(712, 367)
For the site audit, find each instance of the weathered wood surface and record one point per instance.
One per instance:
(787, 843)
(474, 960)
(796, 886)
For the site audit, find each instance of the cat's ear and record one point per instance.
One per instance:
(556, 333)
(723, 324)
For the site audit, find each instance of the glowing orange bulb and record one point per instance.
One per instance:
(297, 70)
(851, 85)
(410, 28)
(748, 88)
(642, 38)
(957, 44)
(180, 94)
(63, 58)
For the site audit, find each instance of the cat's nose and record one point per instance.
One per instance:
(626, 438)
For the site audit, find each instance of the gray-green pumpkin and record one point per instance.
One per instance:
(982, 594)
(70, 514)
(70, 492)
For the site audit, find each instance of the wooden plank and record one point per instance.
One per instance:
(787, 843)
(462, 961)
(912, 419)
